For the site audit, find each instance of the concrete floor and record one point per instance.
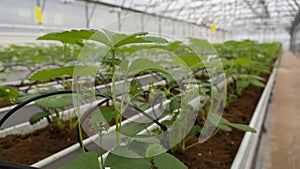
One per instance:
(282, 145)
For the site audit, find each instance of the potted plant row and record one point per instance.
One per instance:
(244, 71)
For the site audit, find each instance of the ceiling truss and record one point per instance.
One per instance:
(227, 15)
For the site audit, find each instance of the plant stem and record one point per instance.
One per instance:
(194, 144)
(113, 92)
(101, 151)
(79, 114)
(65, 52)
(191, 146)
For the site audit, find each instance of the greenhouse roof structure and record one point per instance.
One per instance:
(226, 15)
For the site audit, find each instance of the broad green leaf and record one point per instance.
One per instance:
(115, 40)
(45, 75)
(167, 161)
(224, 127)
(7, 93)
(71, 37)
(237, 126)
(225, 124)
(242, 84)
(152, 39)
(102, 36)
(142, 64)
(192, 61)
(132, 129)
(53, 102)
(195, 129)
(26, 97)
(138, 147)
(256, 83)
(146, 139)
(154, 150)
(242, 127)
(244, 62)
(86, 160)
(103, 115)
(36, 117)
(246, 76)
(122, 158)
(118, 39)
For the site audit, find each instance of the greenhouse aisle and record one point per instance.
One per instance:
(282, 145)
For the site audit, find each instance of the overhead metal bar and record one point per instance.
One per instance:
(297, 4)
(252, 9)
(140, 11)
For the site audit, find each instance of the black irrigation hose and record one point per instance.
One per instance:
(12, 111)
(162, 77)
(10, 165)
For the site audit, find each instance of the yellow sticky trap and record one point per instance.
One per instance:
(38, 14)
(274, 38)
(213, 27)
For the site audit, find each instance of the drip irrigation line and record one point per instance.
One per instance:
(10, 165)
(12, 111)
(162, 77)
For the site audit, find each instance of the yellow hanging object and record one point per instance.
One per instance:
(38, 15)
(213, 27)
(274, 38)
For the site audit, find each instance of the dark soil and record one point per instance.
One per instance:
(219, 151)
(30, 148)
(4, 104)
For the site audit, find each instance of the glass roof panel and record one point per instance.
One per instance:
(227, 15)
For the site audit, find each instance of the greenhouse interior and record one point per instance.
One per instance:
(97, 84)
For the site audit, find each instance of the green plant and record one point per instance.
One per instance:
(156, 158)
(8, 93)
(51, 107)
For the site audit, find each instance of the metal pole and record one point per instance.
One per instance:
(142, 23)
(119, 19)
(159, 26)
(87, 15)
(173, 27)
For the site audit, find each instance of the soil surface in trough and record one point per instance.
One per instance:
(219, 151)
(30, 148)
